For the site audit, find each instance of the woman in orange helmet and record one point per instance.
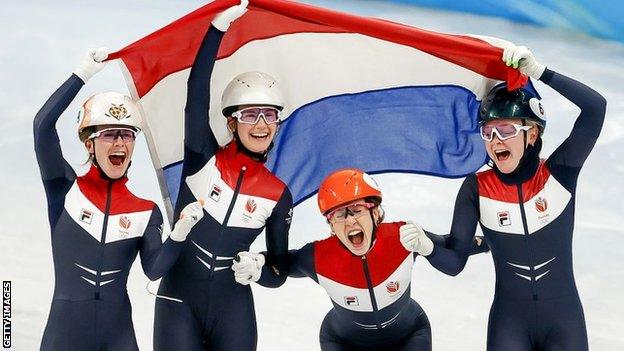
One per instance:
(365, 270)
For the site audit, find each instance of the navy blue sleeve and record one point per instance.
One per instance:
(459, 245)
(56, 173)
(200, 143)
(157, 257)
(275, 270)
(573, 152)
(478, 243)
(301, 262)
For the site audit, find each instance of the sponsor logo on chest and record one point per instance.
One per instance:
(124, 226)
(250, 208)
(351, 301)
(215, 193)
(541, 205)
(86, 216)
(393, 287)
(504, 218)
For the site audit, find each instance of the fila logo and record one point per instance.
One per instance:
(86, 216)
(351, 301)
(215, 194)
(503, 219)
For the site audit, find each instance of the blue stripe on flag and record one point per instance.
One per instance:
(429, 130)
(173, 176)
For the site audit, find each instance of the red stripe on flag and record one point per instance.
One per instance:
(173, 48)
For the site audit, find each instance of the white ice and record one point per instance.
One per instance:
(43, 41)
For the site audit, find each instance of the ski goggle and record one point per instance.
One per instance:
(111, 134)
(503, 130)
(251, 115)
(356, 211)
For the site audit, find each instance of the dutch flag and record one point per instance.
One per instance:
(361, 92)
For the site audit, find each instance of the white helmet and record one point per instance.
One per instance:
(113, 109)
(251, 88)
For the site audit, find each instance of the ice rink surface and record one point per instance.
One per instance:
(42, 43)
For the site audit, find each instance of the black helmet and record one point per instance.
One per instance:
(519, 103)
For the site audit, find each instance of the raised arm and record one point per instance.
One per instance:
(576, 148)
(199, 140)
(56, 173)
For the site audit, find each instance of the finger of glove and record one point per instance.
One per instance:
(518, 55)
(407, 228)
(100, 54)
(507, 53)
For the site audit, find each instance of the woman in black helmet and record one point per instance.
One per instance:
(525, 206)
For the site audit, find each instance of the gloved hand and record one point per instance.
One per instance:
(522, 58)
(247, 267)
(223, 20)
(92, 63)
(414, 239)
(190, 215)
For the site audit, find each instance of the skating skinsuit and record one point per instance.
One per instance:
(242, 198)
(528, 220)
(371, 293)
(98, 227)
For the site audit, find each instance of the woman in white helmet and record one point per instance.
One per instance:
(98, 226)
(209, 305)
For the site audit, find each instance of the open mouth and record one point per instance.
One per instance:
(502, 155)
(260, 136)
(356, 237)
(117, 158)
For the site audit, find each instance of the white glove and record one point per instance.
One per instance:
(414, 239)
(190, 215)
(223, 20)
(92, 63)
(248, 267)
(522, 58)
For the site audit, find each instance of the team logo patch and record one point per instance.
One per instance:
(393, 287)
(86, 216)
(541, 205)
(503, 219)
(351, 301)
(251, 206)
(215, 194)
(125, 222)
(118, 112)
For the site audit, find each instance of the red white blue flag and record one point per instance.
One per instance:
(361, 92)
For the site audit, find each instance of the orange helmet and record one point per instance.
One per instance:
(344, 186)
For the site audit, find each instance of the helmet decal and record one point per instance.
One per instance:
(370, 181)
(537, 107)
(118, 112)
